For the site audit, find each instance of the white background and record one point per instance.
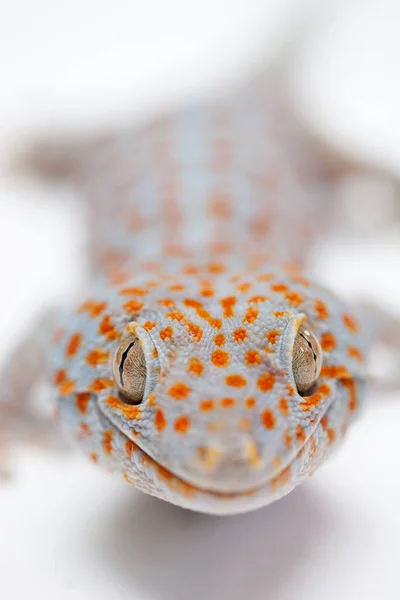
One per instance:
(68, 530)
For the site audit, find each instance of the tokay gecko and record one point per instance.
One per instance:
(204, 365)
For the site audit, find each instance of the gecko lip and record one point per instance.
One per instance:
(168, 473)
(229, 471)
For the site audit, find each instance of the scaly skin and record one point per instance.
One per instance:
(201, 223)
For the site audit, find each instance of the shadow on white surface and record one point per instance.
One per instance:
(172, 554)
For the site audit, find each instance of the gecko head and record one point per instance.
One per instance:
(227, 391)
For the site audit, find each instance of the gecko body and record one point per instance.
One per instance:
(202, 222)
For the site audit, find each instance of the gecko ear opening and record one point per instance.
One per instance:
(307, 360)
(129, 369)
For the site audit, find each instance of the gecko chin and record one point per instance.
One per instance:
(236, 469)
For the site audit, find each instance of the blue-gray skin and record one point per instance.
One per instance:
(201, 224)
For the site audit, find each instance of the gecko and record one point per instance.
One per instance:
(203, 364)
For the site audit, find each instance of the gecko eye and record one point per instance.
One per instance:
(129, 369)
(307, 360)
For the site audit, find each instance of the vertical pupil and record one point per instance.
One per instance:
(121, 365)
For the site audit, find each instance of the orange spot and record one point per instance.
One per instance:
(166, 302)
(195, 366)
(176, 315)
(219, 207)
(273, 336)
(195, 331)
(228, 305)
(182, 424)
(244, 424)
(265, 277)
(236, 381)
(252, 358)
(94, 457)
(133, 291)
(266, 382)
(268, 419)
(130, 412)
(284, 407)
(84, 431)
(160, 420)
(108, 329)
(335, 372)
(133, 306)
(300, 434)
(179, 391)
(250, 315)
(257, 299)
(177, 287)
(204, 314)
(82, 402)
(227, 402)
(350, 323)
(279, 288)
(108, 437)
(190, 270)
(324, 422)
(331, 435)
(220, 339)
(216, 268)
(220, 358)
(66, 387)
(73, 345)
(294, 298)
(60, 376)
(166, 334)
(355, 353)
(207, 405)
(151, 400)
(93, 308)
(98, 385)
(350, 384)
(243, 287)
(328, 342)
(207, 292)
(280, 314)
(287, 437)
(250, 403)
(98, 356)
(321, 309)
(323, 392)
(252, 453)
(149, 325)
(239, 335)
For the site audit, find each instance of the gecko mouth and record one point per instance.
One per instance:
(181, 484)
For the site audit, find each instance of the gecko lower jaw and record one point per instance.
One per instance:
(230, 476)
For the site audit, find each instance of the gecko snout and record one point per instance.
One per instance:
(233, 468)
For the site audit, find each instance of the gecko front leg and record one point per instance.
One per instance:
(23, 418)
